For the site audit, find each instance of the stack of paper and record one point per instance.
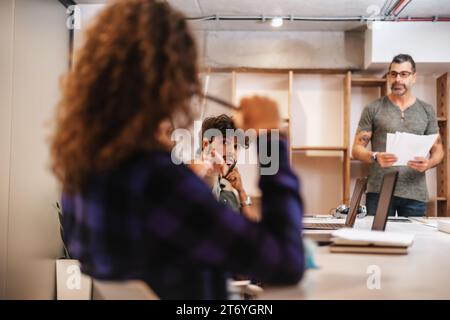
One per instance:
(367, 241)
(407, 146)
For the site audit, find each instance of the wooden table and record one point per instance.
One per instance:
(424, 273)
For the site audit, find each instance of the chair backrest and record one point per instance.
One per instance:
(122, 290)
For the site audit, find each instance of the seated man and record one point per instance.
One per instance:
(227, 188)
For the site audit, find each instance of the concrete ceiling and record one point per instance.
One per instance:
(316, 8)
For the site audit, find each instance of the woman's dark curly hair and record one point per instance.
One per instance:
(137, 67)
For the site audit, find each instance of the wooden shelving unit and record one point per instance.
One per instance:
(346, 137)
(368, 82)
(349, 83)
(443, 169)
(290, 88)
(442, 201)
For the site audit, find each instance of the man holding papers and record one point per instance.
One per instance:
(404, 134)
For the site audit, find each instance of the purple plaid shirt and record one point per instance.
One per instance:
(152, 220)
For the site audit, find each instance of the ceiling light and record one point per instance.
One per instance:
(277, 22)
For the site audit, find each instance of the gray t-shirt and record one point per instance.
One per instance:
(383, 117)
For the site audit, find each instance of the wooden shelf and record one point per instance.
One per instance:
(443, 169)
(319, 149)
(275, 70)
(441, 204)
(349, 83)
(368, 82)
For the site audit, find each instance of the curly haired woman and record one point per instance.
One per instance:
(129, 211)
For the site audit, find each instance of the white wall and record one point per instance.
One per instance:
(317, 120)
(317, 111)
(87, 13)
(274, 86)
(267, 49)
(39, 45)
(427, 42)
(286, 49)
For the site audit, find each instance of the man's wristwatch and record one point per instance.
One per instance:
(247, 202)
(374, 156)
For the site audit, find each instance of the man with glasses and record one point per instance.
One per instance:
(228, 188)
(398, 111)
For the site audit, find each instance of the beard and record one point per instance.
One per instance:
(398, 89)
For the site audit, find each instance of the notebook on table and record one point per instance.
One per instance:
(370, 241)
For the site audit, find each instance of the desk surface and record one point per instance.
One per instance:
(424, 273)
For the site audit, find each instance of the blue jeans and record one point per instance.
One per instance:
(404, 207)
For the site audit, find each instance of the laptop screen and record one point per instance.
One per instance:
(384, 202)
(360, 186)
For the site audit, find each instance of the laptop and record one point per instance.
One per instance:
(334, 224)
(385, 200)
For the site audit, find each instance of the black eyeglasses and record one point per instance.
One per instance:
(403, 74)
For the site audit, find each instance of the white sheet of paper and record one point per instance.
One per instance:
(407, 146)
(390, 142)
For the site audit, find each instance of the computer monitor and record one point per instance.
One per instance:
(385, 200)
(360, 187)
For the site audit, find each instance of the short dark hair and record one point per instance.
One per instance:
(222, 123)
(403, 57)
